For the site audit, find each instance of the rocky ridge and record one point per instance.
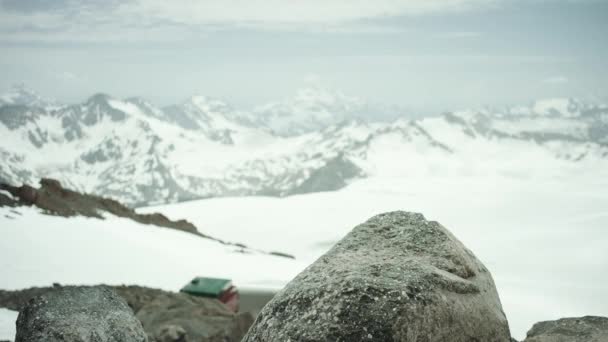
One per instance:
(54, 199)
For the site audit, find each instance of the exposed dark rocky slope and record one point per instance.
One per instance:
(396, 277)
(57, 200)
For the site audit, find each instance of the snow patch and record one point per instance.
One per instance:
(38, 249)
(7, 194)
(8, 319)
(553, 106)
(542, 239)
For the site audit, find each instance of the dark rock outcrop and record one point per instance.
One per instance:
(396, 277)
(334, 175)
(54, 199)
(7, 201)
(580, 329)
(17, 300)
(78, 314)
(57, 200)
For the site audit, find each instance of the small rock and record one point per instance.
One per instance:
(171, 333)
(581, 329)
(201, 319)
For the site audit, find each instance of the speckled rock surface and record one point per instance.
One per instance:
(78, 314)
(396, 277)
(201, 319)
(581, 329)
(170, 333)
(165, 316)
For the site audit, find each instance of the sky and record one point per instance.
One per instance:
(426, 55)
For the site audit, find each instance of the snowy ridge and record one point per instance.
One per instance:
(19, 95)
(140, 154)
(315, 108)
(132, 243)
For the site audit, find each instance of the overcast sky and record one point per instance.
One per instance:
(429, 55)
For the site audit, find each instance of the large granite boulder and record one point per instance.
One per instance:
(581, 329)
(78, 314)
(396, 277)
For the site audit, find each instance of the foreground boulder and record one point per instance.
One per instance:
(396, 277)
(582, 329)
(78, 314)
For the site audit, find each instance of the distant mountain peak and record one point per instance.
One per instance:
(324, 94)
(323, 140)
(315, 95)
(99, 98)
(207, 103)
(19, 94)
(557, 106)
(315, 107)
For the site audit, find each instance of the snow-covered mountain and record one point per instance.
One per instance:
(20, 95)
(314, 108)
(141, 154)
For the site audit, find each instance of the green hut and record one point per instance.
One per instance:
(220, 289)
(207, 287)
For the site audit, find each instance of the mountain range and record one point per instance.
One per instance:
(319, 140)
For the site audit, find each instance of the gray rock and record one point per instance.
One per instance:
(200, 319)
(78, 314)
(581, 329)
(171, 333)
(334, 175)
(165, 314)
(396, 277)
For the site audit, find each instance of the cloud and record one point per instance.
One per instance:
(35, 6)
(458, 35)
(30, 6)
(281, 11)
(313, 79)
(80, 19)
(556, 80)
(65, 76)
